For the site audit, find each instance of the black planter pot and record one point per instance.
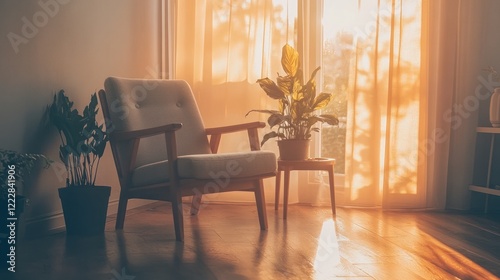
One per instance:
(85, 209)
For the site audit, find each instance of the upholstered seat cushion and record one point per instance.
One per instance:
(209, 166)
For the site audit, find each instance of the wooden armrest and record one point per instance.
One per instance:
(251, 127)
(136, 134)
(234, 128)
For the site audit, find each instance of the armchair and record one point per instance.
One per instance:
(162, 151)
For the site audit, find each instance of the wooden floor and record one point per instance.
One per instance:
(224, 242)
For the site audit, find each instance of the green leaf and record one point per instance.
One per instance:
(283, 104)
(295, 111)
(314, 74)
(309, 90)
(268, 136)
(321, 101)
(329, 119)
(298, 95)
(289, 60)
(64, 154)
(286, 84)
(263, 111)
(275, 119)
(99, 148)
(271, 89)
(83, 139)
(84, 148)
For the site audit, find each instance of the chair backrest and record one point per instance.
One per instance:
(134, 104)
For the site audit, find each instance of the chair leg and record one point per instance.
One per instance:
(176, 200)
(261, 204)
(122, 210)
(196, 204)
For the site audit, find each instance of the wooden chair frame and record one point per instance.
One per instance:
(177, 187)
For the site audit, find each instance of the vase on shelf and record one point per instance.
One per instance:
(495, 108)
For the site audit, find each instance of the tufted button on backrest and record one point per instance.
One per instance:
(137, 104)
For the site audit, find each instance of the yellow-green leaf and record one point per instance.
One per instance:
(270, 88)
(289, 60)
(263, 111)
(314, 74)
(309, 91)
(321, 101)
(298, 95)
(329, 119)
(282, 105)
(275, 119)
(297, 90)
(310, 87)
(270, 135)
(294, 112)
(285, 83)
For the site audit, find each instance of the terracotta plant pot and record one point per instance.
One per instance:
(292, 149)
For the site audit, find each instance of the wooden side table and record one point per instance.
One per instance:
(325, 164)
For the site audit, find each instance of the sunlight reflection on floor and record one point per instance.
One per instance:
(424, 256)
(327, 254)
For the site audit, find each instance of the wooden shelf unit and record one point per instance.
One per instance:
(488, 188)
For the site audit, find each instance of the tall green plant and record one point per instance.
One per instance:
(83, 139)
(297, 102)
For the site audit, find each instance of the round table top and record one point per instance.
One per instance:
(320, 159)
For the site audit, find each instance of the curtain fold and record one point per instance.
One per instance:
(410, 74)
(384, 127)
(232, 41)
(223, 47)
(454, 48)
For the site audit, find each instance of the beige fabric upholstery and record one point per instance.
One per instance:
(137, 109)
(209, 166)
(232, 165)
(138, 104)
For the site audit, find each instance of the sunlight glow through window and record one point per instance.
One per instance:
(339, 15)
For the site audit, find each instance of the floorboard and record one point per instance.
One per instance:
(225, 242)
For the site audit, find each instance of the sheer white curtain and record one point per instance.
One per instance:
(408, 67)
(222, 47)
(411, 63)
(386, 106)
(231, 41)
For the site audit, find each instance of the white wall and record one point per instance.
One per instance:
(48, 45)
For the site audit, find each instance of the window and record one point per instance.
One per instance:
(370, 53)
(336, 56)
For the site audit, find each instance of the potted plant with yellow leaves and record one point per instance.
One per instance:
(293, 122)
